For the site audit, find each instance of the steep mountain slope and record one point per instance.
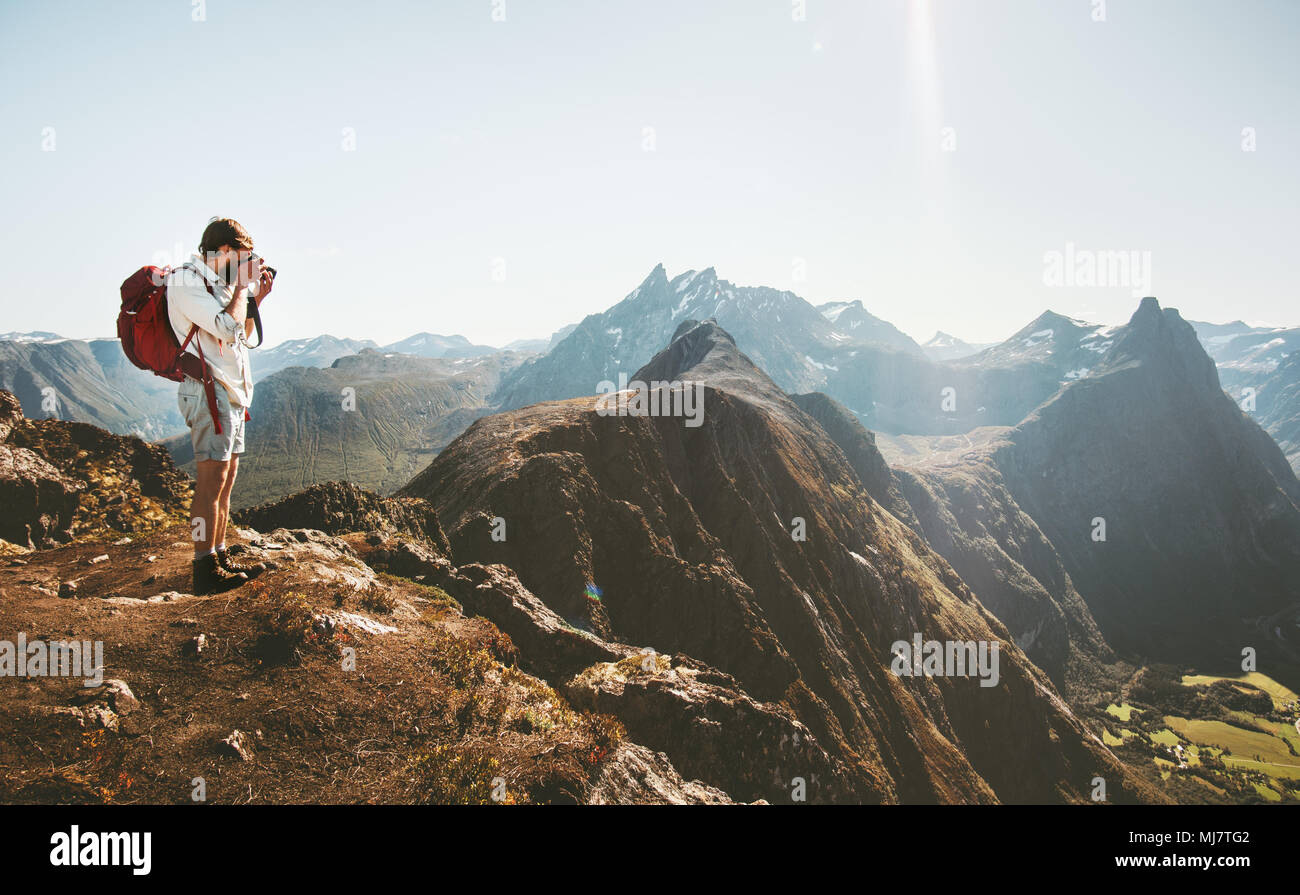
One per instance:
(1175, 557)
(1201, 511)
(90, 382)
(859, 447)
(968, 518)
(679, 538)
(406, 408)
(1262, 359)
(1277, 407)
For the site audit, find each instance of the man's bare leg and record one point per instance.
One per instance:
(223, 499)
(206, 521)
(210, 482)
(223, 518)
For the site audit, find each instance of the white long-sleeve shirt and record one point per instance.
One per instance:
(224, 346)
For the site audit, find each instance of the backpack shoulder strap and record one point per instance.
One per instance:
(197, 367)
(206, 285)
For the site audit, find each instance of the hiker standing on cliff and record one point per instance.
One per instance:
(211, 303)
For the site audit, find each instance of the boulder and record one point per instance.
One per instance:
(548, 645)
(711, 729)
(40, 503)
(342, 507)
(11, 413)
(634, 775)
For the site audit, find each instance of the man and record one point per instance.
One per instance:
(212, 292)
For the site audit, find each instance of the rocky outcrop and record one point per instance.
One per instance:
(410, 559)
(40, 502)
(711, 729)
(548, 645)
(11, 414)
(634, 775)
(341, 507)
(68, 478)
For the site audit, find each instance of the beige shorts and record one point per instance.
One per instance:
(208, 444)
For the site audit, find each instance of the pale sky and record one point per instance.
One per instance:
(504, 183)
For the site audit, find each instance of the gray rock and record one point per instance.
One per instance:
(112, 692)
(236, 745)
(633, 774)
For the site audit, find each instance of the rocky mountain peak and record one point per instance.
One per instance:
(1163, 339)
(693, 341)
(655, 280)
(705, 352)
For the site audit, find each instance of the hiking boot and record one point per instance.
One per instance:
(252, 570)
(210, 578)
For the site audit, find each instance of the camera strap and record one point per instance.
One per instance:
(256, 314)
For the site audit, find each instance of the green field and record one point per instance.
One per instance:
(1208, 785)
(1123, 712)
(1165, 737)
(1267, 793)
(1286, 771)
(1280, 694)
(1243, 744)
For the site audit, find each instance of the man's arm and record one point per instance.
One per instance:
(188, 302)
(238, 308)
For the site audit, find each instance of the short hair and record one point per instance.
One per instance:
(224, 232)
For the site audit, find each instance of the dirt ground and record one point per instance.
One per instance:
(347, 686)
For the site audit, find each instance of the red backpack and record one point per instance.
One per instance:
(148, 340)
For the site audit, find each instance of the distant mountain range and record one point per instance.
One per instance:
(318, 352)
(1261, 360)
(945, 347)
(324, 350)
(92, 381)
(88, 381)
(795, 343)
(853, 320)
(374, 419)
(892, 385)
